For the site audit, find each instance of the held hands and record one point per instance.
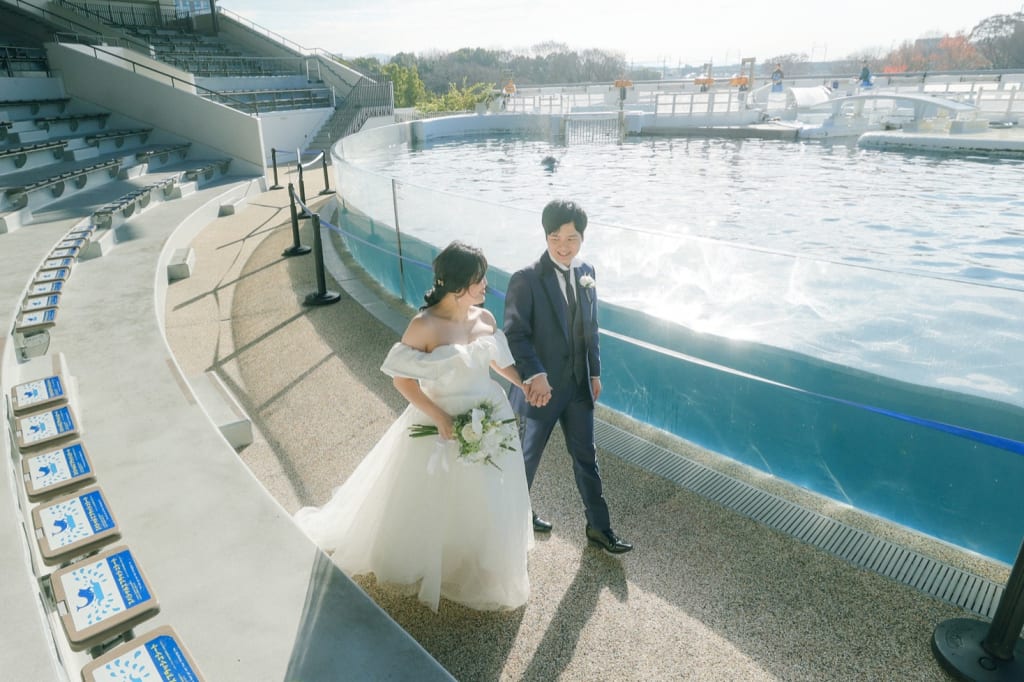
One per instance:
(538, 391)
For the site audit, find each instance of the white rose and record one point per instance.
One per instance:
(587, 282)
(470, 434)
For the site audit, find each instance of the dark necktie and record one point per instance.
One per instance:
(570, 295)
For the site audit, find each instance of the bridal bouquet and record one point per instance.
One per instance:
(480, 436)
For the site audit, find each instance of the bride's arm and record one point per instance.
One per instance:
(510, 373)
(420, 335)
(410, 389)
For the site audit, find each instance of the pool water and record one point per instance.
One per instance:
(908, 265)
(930, 214)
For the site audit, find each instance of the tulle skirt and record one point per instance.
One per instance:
(427, 523)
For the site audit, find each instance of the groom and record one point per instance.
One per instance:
(551, 326)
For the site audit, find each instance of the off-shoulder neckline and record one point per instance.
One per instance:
(453, 345)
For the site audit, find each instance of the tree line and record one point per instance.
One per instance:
(996, 42)
(456, 81)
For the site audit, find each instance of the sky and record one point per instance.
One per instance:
(654, 32)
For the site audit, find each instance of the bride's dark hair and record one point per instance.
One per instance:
(455, 268)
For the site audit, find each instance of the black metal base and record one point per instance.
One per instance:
(956, 644)
(326, 298)
(326, 191)
(299, 250)
(275, 187)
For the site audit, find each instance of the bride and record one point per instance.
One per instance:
(415, 513)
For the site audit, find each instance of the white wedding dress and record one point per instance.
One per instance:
(422, 520)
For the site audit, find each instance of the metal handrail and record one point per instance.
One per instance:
(55, 18)
(11, 55)
(266, 32)
(132, 9)
(273, 100)
(367, 99)
(243, 65)
(174, 79)
(285, 42)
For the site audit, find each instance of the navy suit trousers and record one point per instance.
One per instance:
(575, 414)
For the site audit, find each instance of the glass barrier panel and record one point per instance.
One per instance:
(849, 381)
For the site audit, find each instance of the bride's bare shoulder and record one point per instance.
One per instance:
(422, 332)
(486, 317)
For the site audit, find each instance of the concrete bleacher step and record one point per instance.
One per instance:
(222, 408)
(15, 158)
(135, 171)
(232, 207)
(36, 188)
(184, 189)
(181, 264)
(28, 136)
(81, 153)
(32, 107)
(90, 121)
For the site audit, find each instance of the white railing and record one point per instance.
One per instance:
(538, 104)
(1001, 106)
(996, 96)
(699, 103)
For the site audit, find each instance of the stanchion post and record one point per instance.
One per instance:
(398, 239)
(302, 190)
(322, 295)
(273, 159)
(296, 249)
(327, 184)
(1003, 638)
(974, 650)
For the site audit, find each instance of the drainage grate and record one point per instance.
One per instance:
(970, 592)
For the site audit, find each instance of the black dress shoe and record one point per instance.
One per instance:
(608, 541)
(540, 525)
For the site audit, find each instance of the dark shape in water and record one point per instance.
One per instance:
(549, 163)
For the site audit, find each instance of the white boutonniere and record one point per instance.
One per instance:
(587, 283)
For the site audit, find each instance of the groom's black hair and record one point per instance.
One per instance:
(558, 212)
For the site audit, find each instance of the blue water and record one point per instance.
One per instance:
(929, 214)
(911, 266)
(846, 320)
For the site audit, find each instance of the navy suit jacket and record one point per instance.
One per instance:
(537, 328)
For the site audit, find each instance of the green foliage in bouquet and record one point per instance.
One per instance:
(480, 436)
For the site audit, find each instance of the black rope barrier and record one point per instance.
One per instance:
(322, 295)
(327, 183)
(974, 650)
(302, 191)
(297, 248)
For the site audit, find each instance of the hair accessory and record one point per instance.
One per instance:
(439, 282)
